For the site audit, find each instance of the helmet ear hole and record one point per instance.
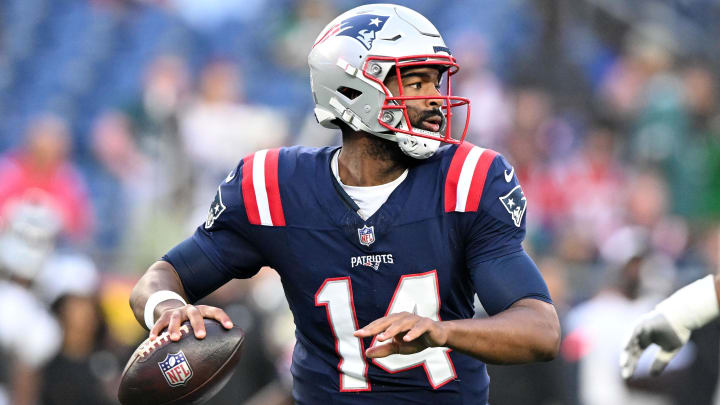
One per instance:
(349, 92)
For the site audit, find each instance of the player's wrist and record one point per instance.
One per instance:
(444, 331)
(161, 301)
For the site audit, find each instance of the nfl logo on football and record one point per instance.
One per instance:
(366, 235)
(176, 369)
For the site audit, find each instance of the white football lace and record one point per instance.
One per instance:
(150, 346)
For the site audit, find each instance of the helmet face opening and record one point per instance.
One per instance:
(394, 111)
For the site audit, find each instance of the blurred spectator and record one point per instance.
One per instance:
(42, 166)
(164, 93)
(589, 184)
(74, 376)
(623, 88)
(595, 331)
(648, 205)
(155, 116)
(491, 109)
(155, 119)
(694, 172)
(82, 372)
(29, 335)
(531, 150)
(120, 184)
(220, 127)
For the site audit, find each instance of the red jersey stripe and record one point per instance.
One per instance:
(478, 180)
(451, 181)
(272, 187)
(248, 191)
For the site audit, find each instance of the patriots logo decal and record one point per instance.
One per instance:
(362, 27)
(216, 209)
(515, 204)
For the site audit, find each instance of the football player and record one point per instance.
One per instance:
(382, 243)
(670, 324)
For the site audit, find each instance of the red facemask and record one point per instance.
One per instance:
(449, 102)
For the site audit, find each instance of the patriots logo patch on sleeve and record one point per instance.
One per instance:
(216, 209)
(515, 204)
(362, 27)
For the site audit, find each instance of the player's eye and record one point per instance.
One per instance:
(416, 85)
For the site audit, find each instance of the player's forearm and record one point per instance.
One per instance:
(160, 276)
(692, 306)
(526, 332)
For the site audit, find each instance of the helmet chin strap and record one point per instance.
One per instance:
(415, 146)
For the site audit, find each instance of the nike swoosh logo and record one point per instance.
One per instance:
(509, 176)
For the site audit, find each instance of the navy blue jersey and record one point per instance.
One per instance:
(451, 229)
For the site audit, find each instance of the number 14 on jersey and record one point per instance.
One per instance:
(416, 293)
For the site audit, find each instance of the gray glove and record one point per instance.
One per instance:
(669, 325)
(655, 328)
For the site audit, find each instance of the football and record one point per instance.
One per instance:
(189, 371)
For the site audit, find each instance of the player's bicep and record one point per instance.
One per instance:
(503, 198)
(502, 281)
(197, 274)
(498, 227)
(201, 273)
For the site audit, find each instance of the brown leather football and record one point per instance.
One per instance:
(189, 371)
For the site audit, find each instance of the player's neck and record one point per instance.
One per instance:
(367, 160)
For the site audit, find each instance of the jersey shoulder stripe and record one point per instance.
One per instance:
(466, 177)
(260, 189)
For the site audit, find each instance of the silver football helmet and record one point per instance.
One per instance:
(357, 51)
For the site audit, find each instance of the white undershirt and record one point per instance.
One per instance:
(369, 198)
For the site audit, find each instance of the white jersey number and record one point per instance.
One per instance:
(416, 293)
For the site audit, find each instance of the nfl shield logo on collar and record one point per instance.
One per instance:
(176, 369)
(366, 235)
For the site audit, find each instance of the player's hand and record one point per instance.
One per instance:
(173, 317)
(408, 333)
(655, 328)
